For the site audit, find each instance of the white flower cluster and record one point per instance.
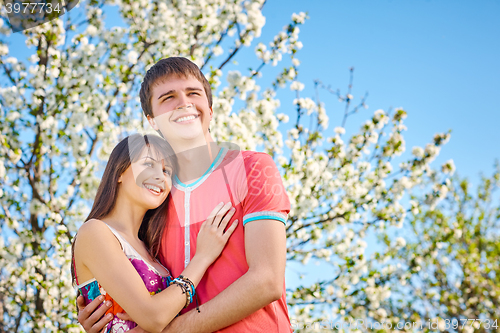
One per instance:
(337, 198)
(287, 41)
(296, 85)
(306, 103)
(448, 167)
(299, 18)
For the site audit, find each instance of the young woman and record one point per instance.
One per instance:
(115, 251)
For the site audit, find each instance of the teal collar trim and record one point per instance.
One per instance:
(210, 169)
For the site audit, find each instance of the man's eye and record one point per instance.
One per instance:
(194, 93)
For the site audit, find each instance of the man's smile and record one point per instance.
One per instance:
(186, 118)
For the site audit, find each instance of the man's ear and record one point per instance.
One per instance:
(152, 122)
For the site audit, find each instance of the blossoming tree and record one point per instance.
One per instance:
(65, 106)
(448, 276)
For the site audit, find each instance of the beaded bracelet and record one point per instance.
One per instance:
(193, 290)
(184, 290)
(188, 288)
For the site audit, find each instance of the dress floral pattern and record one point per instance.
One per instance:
(154, 281)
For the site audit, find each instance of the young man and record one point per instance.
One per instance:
(244, 290)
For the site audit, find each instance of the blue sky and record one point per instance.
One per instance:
(439, 60)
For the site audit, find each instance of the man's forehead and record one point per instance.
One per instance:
(176, 82)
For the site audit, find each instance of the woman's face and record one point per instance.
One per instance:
(147, 181)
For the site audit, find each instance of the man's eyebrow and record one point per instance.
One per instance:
(172, 91)
(167, 93)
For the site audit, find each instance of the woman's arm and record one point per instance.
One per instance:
(98, 250)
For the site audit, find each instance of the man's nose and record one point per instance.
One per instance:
(184, 102)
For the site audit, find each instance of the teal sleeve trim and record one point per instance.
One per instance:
(265, 217)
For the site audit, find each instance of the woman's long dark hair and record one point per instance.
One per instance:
(127, 151)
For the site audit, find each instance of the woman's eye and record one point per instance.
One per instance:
(148, 164)
(168, 172)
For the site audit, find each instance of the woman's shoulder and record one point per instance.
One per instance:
(94, 229)
(92, 225)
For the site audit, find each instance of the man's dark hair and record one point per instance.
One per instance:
(163, 70)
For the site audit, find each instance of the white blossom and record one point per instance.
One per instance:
(132, 57)
(400, 242)
(299, 18)
(418, 152)
(296, 85)
(448, 167)
(339, 130)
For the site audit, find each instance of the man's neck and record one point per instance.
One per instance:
(195, 161)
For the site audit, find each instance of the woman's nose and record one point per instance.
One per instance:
(158, 173)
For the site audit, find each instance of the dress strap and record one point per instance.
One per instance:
(130, 251)
(165, 268)
(74, 263)
(119, 237)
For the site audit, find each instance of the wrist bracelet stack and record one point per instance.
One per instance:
(187, 287)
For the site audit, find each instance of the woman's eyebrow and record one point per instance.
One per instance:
(145, 157)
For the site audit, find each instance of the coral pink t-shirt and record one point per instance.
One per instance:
(251, 181)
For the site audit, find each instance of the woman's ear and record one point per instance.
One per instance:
(120, 179)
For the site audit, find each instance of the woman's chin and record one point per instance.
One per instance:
(153, 204)
(149, 200)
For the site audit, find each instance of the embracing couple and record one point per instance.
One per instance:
(185, 234)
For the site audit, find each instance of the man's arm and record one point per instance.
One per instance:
(265, 247)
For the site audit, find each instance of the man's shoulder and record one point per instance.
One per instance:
(249, 155)
(254, 154)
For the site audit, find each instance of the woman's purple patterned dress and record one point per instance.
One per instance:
(153, 280)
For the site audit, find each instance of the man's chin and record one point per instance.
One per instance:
(183, 137)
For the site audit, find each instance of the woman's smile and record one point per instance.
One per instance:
(155, 189)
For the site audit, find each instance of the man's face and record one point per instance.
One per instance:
(180, 109)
